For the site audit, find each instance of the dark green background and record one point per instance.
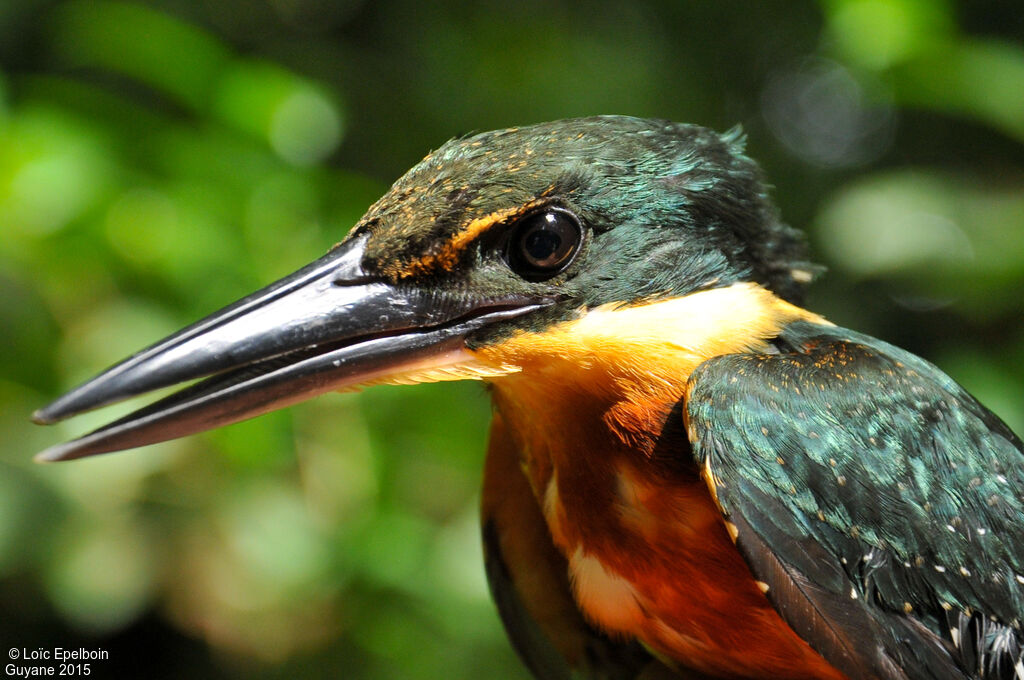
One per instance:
(160, 159)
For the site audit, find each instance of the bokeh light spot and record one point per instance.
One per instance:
(299, 121)
(141, 224)
(305, 128)
(101, 575)
(826, 116)
(52, 169)
(876, 34)
(898, 222)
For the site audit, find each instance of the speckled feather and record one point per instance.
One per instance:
(883, 505)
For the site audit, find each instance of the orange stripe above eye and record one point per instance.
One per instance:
(447, 256)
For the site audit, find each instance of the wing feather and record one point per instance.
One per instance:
(881, 503)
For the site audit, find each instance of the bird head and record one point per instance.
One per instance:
(490, 237)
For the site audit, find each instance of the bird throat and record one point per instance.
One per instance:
(626, 367)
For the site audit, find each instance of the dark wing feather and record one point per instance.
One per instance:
(881, 503)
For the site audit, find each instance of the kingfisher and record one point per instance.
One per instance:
(689, 475)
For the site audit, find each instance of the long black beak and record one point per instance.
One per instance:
(326, 327)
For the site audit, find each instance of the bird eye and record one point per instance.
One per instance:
(544, 244)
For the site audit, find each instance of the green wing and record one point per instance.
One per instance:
(881, 504)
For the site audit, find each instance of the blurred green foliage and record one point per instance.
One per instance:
(159, 159)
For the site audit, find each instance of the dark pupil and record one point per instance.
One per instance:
(541, 245)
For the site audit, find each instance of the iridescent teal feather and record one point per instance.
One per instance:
(893, 497)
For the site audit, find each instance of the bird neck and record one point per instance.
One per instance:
(598, 392)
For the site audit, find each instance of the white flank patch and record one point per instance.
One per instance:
(606, 597)
(551, 503)
(635, 514)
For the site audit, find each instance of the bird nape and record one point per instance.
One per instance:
(689, 475)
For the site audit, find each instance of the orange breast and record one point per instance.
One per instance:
(672, 577)
(648, 552)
